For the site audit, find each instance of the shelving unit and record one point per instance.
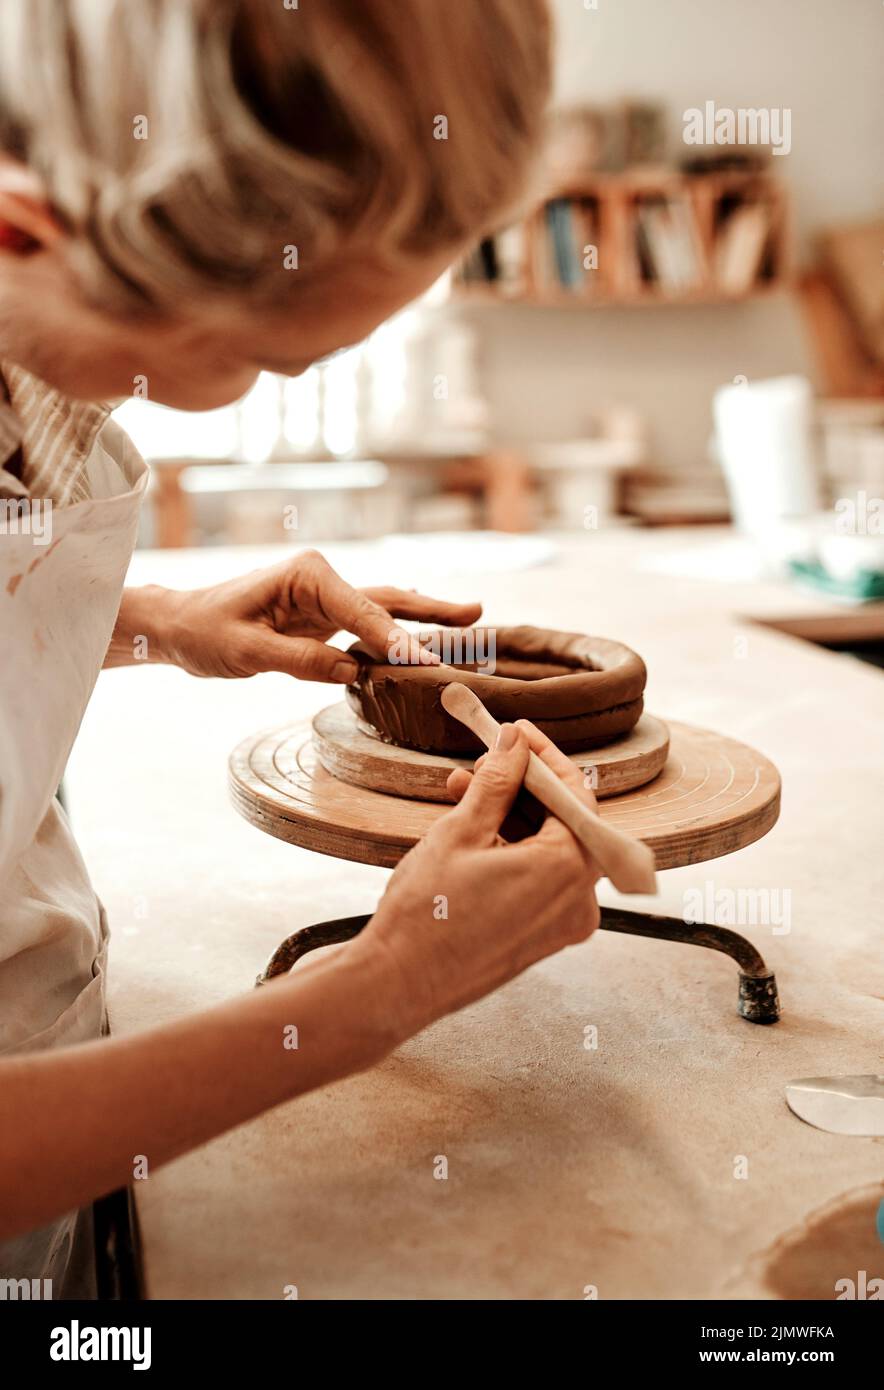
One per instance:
(637, 238)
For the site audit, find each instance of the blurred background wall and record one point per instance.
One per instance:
(546, 372)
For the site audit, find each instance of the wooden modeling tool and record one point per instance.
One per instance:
(628, 863)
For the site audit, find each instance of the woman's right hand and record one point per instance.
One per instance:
(464, 911)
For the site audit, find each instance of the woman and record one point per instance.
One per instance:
(189, 193)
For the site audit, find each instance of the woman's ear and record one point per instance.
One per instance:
(27, 222)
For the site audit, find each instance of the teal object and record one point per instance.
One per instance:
(868, 584)
(879, 1224)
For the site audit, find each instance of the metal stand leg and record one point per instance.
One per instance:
(758, 998)
(310, 939)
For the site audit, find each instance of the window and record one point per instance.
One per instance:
(343, 407)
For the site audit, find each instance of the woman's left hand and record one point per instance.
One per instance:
(280, 619)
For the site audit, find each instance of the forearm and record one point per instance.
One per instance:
(73, 1122)
(139, 632)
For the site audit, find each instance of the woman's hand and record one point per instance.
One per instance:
(278, 619)
(462, 915)
(464, 912)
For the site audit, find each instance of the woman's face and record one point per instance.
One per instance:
(203, 358)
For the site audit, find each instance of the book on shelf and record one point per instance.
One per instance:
(488, 258)
(498, 261)
(740, 247)
(566, 231)
(669, 247)
(654, 235)
(567, 255)
(512, 252)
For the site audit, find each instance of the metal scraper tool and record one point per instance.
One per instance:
(840, 1104)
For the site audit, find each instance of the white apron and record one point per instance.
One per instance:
(58, 605)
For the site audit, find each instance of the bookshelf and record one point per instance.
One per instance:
(638, 237)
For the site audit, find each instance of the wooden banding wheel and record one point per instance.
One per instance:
(352, 752)
(713, 796)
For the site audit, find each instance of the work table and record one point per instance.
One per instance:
(569, 1168)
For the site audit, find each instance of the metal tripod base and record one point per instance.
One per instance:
(758, 999)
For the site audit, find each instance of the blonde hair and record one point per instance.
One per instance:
(187, 143)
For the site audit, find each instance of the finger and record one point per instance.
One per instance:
(571, 773)
(547, 751)
(524, 818)
(405, 603)
(574, 775)
(302, 657)
(486, 802)
(353, 611)
(458, 783)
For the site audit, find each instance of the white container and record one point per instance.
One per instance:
(580, 478)
(764, 440)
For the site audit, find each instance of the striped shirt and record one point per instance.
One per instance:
(45, 439)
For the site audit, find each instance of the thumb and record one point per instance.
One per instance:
(477, 818)
(302, 657)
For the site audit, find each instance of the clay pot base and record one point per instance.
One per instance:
(582, 692)
(354, 753)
